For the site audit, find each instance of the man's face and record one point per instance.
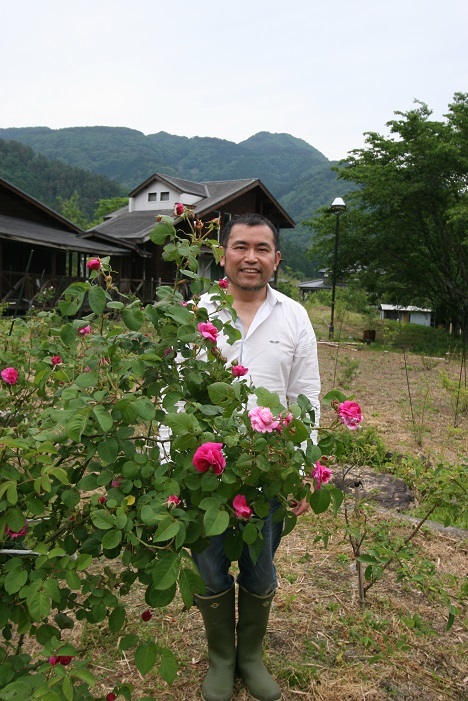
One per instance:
(250, 257)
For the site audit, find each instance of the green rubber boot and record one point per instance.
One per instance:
(253, 614)
(218, 613)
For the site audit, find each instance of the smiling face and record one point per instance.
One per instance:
(250, 256)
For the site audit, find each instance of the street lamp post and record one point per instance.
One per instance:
(338, 206)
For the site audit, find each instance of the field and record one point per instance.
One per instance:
(321, 645)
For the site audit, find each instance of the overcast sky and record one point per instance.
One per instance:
(325, 72)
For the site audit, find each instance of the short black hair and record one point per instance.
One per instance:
(248, 220)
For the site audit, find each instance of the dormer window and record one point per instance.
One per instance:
(152, 196)
(164, 197)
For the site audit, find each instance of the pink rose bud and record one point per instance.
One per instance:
(56, 360)
(209, 455)
(239, 370)
(147, 615)
(208, 330)
(16, 534)
(93, 264)
(173, 500)
(223, 283)
(111, 696)
(84, 330)
(10, 376)
(179, 209)
(102, 500)
(53, 660)
(241, 508)
(65, 659)
(350, 414)
(262, 420)
(286, 420)
(320, 474)
(117, 482)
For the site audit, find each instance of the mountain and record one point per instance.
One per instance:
(51, 180)
(295, 172)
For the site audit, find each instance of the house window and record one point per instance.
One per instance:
(152, 196)
(164, 197)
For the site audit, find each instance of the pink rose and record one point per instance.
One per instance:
(350, 414)
(209, 455)
(173, 500)
(10, 376)
(208, 331)
(94, 264)
(179, 209)
(117, 482)
(84, 330)
(56, 360)
(239, 370)
(16, 534)
(240, 507)
(223, 283)
(320, 474)
(286, 420)
(262, 420)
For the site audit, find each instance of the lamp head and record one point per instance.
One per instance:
(338, 205)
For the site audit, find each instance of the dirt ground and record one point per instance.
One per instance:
(407, 405)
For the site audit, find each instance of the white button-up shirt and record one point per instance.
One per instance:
(279, 348)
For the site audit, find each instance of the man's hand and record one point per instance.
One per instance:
(300, 507)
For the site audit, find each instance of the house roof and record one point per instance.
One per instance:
(42, 235)
(134, 227)
(402, 308)
(25, 219)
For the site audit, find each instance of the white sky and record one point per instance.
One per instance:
(325, 72)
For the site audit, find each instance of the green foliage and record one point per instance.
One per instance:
(405, 228)
(52, 181)
(98, 443)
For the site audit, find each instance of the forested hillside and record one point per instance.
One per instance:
(51, 181)
(298, 175)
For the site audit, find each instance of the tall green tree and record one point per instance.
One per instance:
(405, 231)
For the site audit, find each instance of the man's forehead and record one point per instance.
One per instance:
(248, 234)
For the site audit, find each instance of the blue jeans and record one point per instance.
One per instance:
(259, 578)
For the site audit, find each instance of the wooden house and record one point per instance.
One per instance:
(41, 252)
(144, 269)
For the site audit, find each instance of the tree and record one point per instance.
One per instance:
(405, 229)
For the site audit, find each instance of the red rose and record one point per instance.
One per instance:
(209, 455)
(94, 264)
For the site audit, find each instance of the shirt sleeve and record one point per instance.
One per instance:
(304, 377)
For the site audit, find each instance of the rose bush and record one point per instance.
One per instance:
(126, 442)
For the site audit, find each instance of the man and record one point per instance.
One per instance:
(278, 347)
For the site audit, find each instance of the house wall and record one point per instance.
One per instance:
(140, 202)
(422, 318)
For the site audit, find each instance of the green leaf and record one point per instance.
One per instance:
(162, 231)
(333, 395)
(67, 688)
(145, 657)
(221, 393)
(128, 641)
(215, 521)
(320, 500)
(108, 449)
(249, 533)
(145, 408)
(38, 604)
(102, 519)
(117, 619)
(168, 665)
(97, 299)
(15, 580)
(133, 318)
(181, 423)
(159, 598)
(111, 539)
(166, 530)
(190, 583)
(76, 426)
(269, 399)
(104, 418)
(166, 570)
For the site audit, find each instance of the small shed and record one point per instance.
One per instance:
(408, 314)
